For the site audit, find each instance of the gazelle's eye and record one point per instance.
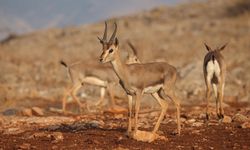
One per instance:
(111, 50)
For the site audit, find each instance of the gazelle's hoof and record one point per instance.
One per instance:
(220, 116)
(177, 132)
(207, 117)
(147, 136)
(129, 134)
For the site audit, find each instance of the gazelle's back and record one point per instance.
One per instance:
(103, 72)
(150, 74)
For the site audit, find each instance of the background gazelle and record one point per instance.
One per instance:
(137, 79)
(214, 69)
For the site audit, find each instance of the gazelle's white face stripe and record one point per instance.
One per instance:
(213, 68)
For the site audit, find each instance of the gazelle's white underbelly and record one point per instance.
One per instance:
(213, 68)
(94, 81)
(152, 89)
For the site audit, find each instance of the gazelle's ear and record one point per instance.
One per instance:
(222, 47)
(207, 47)
(116, 42)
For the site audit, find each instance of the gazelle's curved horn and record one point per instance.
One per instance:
(105, 33)
(111, 40)
(104, 38)
(132, 47)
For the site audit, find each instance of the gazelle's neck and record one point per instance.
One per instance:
(119, 68)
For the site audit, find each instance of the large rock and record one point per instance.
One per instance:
(27, 112)
(240, 118)
(227, 119)
(245, 125)
(37, 111)
(57, 137)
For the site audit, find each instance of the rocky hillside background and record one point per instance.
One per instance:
(30, 66)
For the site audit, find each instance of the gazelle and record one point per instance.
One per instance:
(132, 54)
(98, 75)
(90, 75)
(137, 79)
(214, 69)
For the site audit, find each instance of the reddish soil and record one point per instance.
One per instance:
(107, 131)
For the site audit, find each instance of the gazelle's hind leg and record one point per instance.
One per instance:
(73, 93)
(168, 88)
(208, 95)
(64, 100)
(102, 95)
(220, 112)
(164, 105)
(216, 98)
(171, 94)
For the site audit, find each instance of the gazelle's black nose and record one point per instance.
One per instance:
(100, 59)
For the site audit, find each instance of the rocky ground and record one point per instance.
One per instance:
(32, 81)
(107, 130)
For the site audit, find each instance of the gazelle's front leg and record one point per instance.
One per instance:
(102, 95)
(137, 108)
(130, 106)
(112, 102)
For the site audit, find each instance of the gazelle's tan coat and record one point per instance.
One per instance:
(137, 79)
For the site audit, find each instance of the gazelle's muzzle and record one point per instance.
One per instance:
(101, 59)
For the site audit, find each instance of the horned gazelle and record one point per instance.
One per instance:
(98, 75)
(214, 69)
(137, 79)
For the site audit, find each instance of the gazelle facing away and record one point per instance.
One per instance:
(214, 69)
(98, 75)
(137, 79)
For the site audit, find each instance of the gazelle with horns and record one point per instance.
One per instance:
(214, 69)
(137, 79)
(98, 75)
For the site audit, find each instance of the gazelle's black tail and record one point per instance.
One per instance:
(68, 69)
(63, 63)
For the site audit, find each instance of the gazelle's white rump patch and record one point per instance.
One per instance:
(213, 68)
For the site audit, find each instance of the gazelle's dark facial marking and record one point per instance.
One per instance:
(111, 50)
